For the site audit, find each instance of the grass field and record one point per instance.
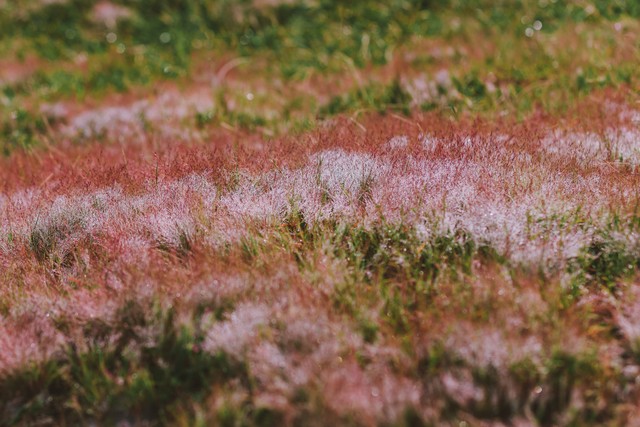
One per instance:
(317, 212)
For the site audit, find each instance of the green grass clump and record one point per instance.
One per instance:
(389, 266)
(371, 97)
(609, 259)
(606, 261)
(143, 367)
(396, 252)
(542, 390)
(21, 130)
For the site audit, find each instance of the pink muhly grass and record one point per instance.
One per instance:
(30, 341)
(238, 332)
(498, 189)
(109, 14)
(373, 395)
(162, 115)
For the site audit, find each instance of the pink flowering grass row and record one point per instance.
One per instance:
(415, 270)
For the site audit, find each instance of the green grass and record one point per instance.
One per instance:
(507, 72)
(143, 367)
(21, 129)
(325, 36)
(610, 259)
(506, 395)
(372, 97)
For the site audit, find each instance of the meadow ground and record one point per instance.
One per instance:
(244, 213)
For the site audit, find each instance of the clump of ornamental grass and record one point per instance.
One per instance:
(141, 367)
